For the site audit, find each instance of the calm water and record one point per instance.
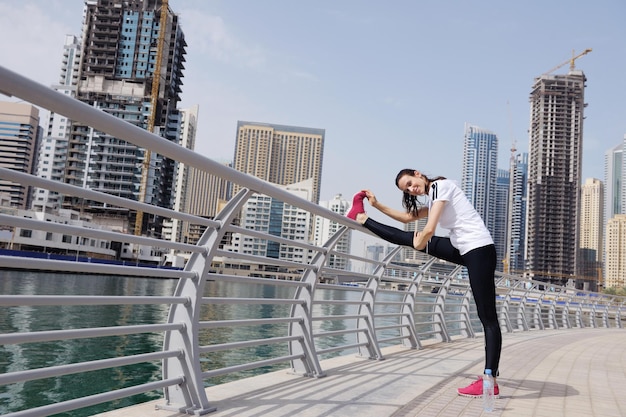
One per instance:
(35, 355)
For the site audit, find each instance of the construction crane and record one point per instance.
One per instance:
(569, 61)
(154, 98)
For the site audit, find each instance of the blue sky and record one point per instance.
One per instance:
(392, 82)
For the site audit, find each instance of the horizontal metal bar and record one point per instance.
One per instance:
(338, 332)
(232, 300)
(391, 339)
(429, 332)
(262, 235)
(86, 193)
(74, 300)
(263, 260)
(34, 224)
(247, 343)
(340, 287)
(391, 315)
(251, 280)
(73, 368)
(339, 302)
(392, 326)
(46, 336)
(17, 85)
(70, 405)
(393, 303)
(250, 365)
(340, 317)
(248, 322)
(17, 262)
(339, 348)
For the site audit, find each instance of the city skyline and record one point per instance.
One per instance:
(380, 95)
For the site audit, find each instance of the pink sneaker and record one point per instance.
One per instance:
(357, 205)
(475, 389)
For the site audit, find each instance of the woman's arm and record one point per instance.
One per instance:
(401, 216)
(422, 238)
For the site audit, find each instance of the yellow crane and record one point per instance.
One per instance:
(569, 61)
(154, 98)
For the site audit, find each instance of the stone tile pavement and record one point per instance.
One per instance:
(577, 372)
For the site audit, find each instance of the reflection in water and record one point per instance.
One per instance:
(231, 357)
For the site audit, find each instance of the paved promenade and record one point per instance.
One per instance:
(579, 372)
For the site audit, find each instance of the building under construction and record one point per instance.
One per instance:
(554, 175)
(132, 67)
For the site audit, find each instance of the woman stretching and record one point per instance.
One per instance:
(470, 244)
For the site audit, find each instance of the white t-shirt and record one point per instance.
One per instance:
(467, 229)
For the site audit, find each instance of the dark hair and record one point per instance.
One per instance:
(410, 202)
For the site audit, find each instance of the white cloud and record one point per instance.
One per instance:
(210, 37)
(32, 41)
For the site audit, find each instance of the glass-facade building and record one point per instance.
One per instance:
(480, 170)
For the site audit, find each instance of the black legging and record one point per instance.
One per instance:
(481, 266)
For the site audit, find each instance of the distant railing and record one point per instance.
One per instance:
(314, 314)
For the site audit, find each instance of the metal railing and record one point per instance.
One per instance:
(314, 313)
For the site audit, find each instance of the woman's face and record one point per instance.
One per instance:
(413, 184)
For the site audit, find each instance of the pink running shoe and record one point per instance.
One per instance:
(475, 389)
(357, 205)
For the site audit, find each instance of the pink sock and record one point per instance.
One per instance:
(357, 205)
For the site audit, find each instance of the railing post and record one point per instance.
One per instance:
(190, 397)
(439, 309)
(367, 309)
(465, 310)
(309, 364)
(408, 308)
(578, 315)
(504, 311)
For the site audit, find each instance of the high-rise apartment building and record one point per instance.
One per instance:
(554, 175)
(615, 267)
(592, 213)
(173, 229)
(591, 233)
(132, 55)
(501, 220)
(280, 154)
(53, 149)
(326, 228)
(268, 215)
(614, 176)
(516, 231)
(19, 140)
(480, 170)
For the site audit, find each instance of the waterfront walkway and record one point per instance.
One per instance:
(578, 372)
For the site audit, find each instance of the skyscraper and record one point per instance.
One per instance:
(591, 232)
(554, 175)
(501, 220)
(614, 175)
(615, 268)
(516, 236)
(480, 169)
(280, 154)
(188, 127)
(131, 67)
(19, 139)
(53, 150)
